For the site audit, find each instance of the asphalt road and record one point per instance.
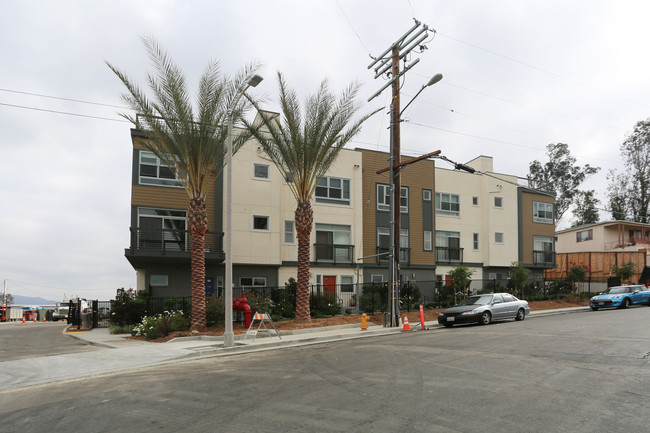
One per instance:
(582, 372)
(27, 340)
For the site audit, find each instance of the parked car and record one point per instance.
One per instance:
(484, 309)
(621, 297)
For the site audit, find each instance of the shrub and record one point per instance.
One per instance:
(161, 325)
(284, 301)
(120, 329)
(214, 311)
(374, 297)
(324, 305)
(128, 307)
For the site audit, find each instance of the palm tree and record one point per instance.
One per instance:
(192, 142)
(304, 146)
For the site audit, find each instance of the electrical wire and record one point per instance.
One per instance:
(63, 99)
(63, 112)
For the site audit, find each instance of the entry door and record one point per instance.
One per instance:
(329, 284)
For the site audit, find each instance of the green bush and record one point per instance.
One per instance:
(128, 307)
(120, 329)
(214, 311)
(324, 305)
(374, 297)
(284, 301)
(410, 297)
(161, 325)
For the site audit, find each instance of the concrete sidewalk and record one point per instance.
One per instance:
(122, 354)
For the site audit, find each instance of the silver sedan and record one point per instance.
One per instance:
(484, 309)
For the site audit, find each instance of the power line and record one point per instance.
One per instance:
(64, 113)
(512, 59)
(352, 27)
(62, 99)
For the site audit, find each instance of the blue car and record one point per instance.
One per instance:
(621, 297)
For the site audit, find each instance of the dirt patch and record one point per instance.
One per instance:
(413, 317)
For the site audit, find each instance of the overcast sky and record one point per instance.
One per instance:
(518, 75)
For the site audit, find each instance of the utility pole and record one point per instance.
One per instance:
(389, 65)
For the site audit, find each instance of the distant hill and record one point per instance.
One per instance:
(28, 300)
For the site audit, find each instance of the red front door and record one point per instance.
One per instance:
(329, 284)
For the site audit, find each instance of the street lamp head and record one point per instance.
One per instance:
(257, 79)
(434, 79)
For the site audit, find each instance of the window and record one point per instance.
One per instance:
(403, 245)
(260, 222)
(162, 229)
(289, 232)
(377, 278)
(260, 171)
(383, 198)
(543, 249)
(347, 284)
(447, 204)
(333, 243)
(498, 201)
(542, 212)
(448, 246)
(383, 240)
(475, 241)
(585, 235)
(474, 201)
(159, 280)
(154, 172)
(426, 194)
(333, 190)
(498, 238)
(252, 282)
(428, 240)
(404, 200)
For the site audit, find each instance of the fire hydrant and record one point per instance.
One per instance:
(241, 304)
(364, 322)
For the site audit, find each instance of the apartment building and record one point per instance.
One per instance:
(486, 221)
(263, 234)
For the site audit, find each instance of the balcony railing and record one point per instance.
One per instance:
(334, 253)
(449, 255)
(404, 255)
(161, 241)
(543, 257)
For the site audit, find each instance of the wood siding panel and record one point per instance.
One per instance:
(599, 263)
(416, 177)
(531, 228)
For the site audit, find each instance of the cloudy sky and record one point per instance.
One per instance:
(517, 76)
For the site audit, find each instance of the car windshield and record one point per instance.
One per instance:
(615, 290)
(476, 300)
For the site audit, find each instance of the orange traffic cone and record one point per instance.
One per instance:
(407, 327)
(35, 321)
(23, 319)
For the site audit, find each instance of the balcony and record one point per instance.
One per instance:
(149, 246)
(544, 258)
(449, 255)
(404, 255)
(334, 253)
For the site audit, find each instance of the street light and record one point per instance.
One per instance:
(393, 298)
(229, 336)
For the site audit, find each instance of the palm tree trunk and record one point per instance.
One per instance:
(198, 225)
(304, 220)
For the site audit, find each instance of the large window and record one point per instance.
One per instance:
(447, 204)
(260, 222)
(334, 243)
(383, 198)
(584, 235)
(154, 172)
(347, 284)
(162, 229)
(404, 245)
(448, 247)
(252, 282)
(333, 190)
(542, 212)
(543, 250)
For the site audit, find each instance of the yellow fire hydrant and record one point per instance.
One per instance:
(364, 322)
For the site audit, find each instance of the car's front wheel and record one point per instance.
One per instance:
(521, 314)
(625, 303)
(486, 318)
